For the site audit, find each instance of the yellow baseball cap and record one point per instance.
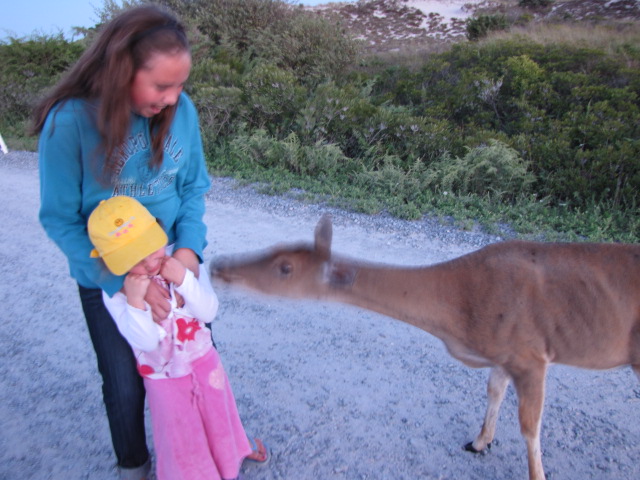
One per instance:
(124, 233)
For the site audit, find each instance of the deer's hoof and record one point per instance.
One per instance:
(470, 448)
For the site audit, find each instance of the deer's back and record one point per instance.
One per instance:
(574, 303)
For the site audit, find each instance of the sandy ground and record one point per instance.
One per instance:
(338, 393)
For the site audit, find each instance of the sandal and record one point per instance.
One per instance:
(260, 452)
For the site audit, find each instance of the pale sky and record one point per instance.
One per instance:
(21, 18)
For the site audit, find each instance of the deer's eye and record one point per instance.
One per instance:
(286, 268)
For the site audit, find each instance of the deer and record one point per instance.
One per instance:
(512, 306)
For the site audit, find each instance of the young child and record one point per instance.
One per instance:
(197, 431)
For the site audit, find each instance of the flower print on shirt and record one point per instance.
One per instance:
(186, 339)
(187, 330)
(145, 370)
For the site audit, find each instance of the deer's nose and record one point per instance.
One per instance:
(214, 268)
(219, 269)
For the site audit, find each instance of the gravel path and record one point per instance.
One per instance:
(339, 393)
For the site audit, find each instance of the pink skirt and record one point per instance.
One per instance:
(197, 432)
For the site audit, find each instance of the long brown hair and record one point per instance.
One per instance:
(105, 71)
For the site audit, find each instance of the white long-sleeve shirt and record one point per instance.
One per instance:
(166, 350)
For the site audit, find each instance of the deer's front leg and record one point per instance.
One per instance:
(496, 388)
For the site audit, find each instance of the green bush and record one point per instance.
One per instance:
(293, 39)
(336, 115)
(402, 188)
(535, 3)
(272, 97)
(258, 149)
(479, 27)
(312, 48)
(494, 169)
(29, 67)
(563, 107)
(213, 89)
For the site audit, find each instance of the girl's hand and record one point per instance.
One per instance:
(135, 289)
(173, 271)
(158, 299)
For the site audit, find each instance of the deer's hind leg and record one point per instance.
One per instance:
(496, 388)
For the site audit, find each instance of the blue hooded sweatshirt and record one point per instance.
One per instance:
(70, 186)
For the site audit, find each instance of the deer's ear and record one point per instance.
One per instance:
(323, 236)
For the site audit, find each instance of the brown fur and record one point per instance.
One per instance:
(514, 306)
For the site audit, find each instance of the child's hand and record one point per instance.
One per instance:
(173, 271)
(135, 288)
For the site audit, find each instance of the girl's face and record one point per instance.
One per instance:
(150, 265)
(159, 82)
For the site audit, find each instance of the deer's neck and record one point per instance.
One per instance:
(418, 296)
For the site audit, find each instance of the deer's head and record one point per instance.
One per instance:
(294, 270)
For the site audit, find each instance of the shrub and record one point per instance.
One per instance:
(319, 159)
(220, 109)
(256, 149)
(402, 188)
(272, 97)
(311, 47)
(213, 88)
(495, 170)
(479, 27)
(29, 67)
(291, 38)
(260, 149)
(534, 3)
(336, 115)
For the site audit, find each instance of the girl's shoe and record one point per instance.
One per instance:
(260, 452)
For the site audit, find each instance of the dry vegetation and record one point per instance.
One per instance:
(391, 26)
(599, 36)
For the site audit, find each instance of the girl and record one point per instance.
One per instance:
(119, 123)
(197, 432)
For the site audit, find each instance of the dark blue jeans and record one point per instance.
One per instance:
(122, 387)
